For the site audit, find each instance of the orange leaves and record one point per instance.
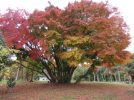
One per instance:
(76, 40)
(83, 28)
(122, 57)
(107, 51)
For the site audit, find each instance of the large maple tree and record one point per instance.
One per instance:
(63, 38)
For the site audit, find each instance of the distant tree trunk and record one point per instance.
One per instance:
(123, 77)
(21, 73)
(115, 78)
(102, 76)
(119, 77)
(17, 74)
(132, 79)
(97, 77)
(89, 77)
(27, 76)
(31, 78)
(110, 77)
(94, 76)
(1, 77)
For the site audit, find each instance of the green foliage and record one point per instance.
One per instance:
(130, 67)
(1, 40)
(3, 57)
(32, 69)
(53, 37)
(11, 82)
(32, 64)
(7, 66)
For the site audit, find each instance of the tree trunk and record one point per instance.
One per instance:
(62, 72)
(110, 78)
(119, 77)
(94, 76)
(132, 79)
(17, 74)
(102, 77)
(52, 77)
(124, 78)
(97, 77)
(115, 78)
(31, 78)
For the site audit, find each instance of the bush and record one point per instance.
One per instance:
(11, 82)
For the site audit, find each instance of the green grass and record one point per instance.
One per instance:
(106, 97)
(3, 82)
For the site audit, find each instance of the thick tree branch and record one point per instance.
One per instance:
(33, 70)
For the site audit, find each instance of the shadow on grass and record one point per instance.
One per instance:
(68, 98)
(130, 93)
(107, 97)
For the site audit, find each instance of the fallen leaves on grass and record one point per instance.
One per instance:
(91, 91)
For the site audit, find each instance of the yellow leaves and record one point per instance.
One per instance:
(52, 34)
(73, 63)
(7, 72)
(15, 50)
(76, 40)
(73, 56)
(4, 51)
(52, 37)
(72, 53)
(25, 63)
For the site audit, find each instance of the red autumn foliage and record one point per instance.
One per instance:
(83, 31)
(15, 27)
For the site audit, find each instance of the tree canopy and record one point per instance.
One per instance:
(61, 39)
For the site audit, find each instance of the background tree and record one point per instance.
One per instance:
(61, 39)
(130, 68)
(1, 40)
(7, 66)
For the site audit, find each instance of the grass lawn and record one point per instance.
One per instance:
(85, 91)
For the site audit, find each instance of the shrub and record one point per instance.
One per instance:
(11, 82)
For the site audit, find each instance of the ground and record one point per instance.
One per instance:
(85, 91)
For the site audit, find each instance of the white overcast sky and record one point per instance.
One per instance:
(126, 8)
